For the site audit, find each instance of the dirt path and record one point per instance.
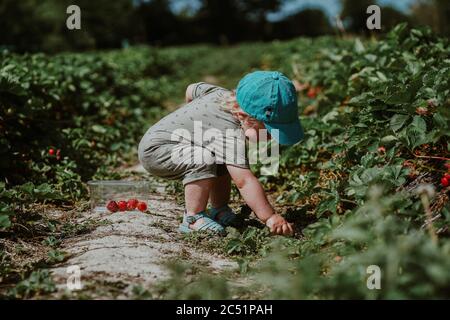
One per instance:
(131, 249)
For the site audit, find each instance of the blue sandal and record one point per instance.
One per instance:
(208, 224)
(228, 217)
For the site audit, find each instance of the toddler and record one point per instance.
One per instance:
(203, 143)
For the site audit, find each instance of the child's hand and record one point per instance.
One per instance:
(278, 225)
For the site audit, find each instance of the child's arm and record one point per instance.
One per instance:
(254, 195)
(189, 93)
(195, 90)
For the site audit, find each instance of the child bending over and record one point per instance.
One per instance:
(203, 143)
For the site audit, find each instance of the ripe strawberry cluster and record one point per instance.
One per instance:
(313, 92)
(129, 205)
(445, 180)
(57, 153)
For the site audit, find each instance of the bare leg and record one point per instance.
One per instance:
(196, 196)
(220, 191)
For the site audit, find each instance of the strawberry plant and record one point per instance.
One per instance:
(65, 119)
(380, 134)
(370, 176)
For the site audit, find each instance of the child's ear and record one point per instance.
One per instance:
(241, 115)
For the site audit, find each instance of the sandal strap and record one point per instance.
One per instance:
(193, 218)
(208, 223)
(215, 211)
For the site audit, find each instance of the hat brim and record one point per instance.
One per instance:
(286, 133)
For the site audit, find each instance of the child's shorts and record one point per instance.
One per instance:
(158, 161)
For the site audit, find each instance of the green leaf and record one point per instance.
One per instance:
(440, 121)
(419, 123)
(399, 96)
(398, 121)
(99, 129)
(388, 139)
(415, 137)
(5, 223)
(362, 100)
(27, 188)
(359, 47)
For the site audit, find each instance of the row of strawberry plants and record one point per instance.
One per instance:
(68, 118)
(370, 170)
(365, 186)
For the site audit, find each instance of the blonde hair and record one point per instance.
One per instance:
(229, 102)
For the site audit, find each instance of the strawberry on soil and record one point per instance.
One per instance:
(130, 205)
(122, 205)
(142, 206)
(112, 206)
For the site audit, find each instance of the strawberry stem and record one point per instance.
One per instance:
(432, 157)
(429, 217)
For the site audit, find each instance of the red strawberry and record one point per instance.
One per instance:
(444, 182)
(51, 152)
(447, 176)
(132, 204)
(122, 205)
(142, 206)
(112, 206)
(312, 93)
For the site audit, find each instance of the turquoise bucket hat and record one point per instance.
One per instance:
(270, 97)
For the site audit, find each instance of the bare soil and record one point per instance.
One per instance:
(131, 249)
